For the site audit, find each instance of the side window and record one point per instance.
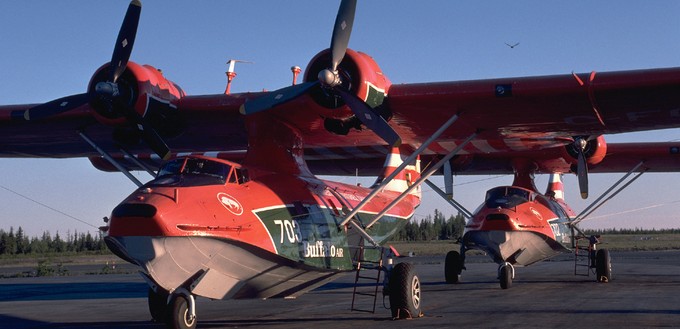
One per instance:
(242, 175)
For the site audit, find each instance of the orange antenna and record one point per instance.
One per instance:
(231, 74)
(296, 71)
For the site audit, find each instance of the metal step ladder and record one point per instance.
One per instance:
(582, 260)
(366, 282)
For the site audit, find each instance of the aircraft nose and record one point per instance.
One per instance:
(136, 219)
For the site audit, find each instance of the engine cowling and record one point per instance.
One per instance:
(594, 151)
(360, 75)
(142, 88)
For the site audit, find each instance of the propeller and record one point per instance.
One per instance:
(331, 80)
(582, 167)
(56, 106)
(341, 32)
(106, 95)
(125, 41)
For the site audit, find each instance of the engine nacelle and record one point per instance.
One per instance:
(359, 73)
(595, 151)
(142, 88)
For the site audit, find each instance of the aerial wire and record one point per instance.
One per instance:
(48, 207)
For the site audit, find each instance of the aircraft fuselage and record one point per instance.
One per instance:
(519, 226)
(224, 231)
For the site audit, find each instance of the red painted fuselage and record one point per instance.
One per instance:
(223, 231)
(519, 226)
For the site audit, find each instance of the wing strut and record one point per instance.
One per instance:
(399, 169)
(110, 159)
(422, 178)
(138, 163)
(599, 201)
(466, 213)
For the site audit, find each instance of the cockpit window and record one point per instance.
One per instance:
(171, 167)
(507, 197)
(194, 172)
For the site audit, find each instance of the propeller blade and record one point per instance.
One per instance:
(342, 31)
(155, 141)
(56, 106)
(275, 98)
(582, 174)
(125, 41)
(149, 134)
(369, 118)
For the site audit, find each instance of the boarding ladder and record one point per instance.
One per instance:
(367, 282)
(583, 250)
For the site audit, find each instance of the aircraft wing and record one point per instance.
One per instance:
(619, 158)
(204, 123)
(516, 112)
(511, 115)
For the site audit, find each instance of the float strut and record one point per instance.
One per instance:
(110, 159)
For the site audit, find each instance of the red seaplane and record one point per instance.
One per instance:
(518, 226)
(236, 211)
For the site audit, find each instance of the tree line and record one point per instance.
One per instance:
(430, 228)
(17, 243)
(636, 230)
(433, 227)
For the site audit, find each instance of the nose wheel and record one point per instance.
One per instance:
(180, 314)
(177, 311)
(506, 273)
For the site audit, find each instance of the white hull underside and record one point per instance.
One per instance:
(519, 248)
(217, 268)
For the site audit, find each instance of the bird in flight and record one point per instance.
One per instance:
(512, 46)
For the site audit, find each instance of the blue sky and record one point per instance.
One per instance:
(51, 49)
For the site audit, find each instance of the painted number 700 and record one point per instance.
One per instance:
(291, 229)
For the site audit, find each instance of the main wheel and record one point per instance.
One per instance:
(179, 317)
(158, 304)
(453, 266)
(603, 266)
(505, 276)
(404, 290)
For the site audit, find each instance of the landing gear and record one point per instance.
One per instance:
(505, 274)
(179, 315)
(453, 266)
(405, 292)
(603, 266)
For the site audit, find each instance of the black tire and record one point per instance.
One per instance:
(453, 266)
(505, 276)
(158, 305)
(603, 266)
(178, 314)
(405, 292)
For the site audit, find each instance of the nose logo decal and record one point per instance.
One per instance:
(230, 203)
(536, 213)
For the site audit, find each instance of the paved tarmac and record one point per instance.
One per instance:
(644, 293)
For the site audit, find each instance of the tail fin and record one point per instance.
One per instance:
(405, 178)
(555, 186)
